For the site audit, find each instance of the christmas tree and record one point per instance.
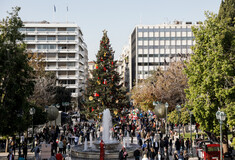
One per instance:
(104, 89)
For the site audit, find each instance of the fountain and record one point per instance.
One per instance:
(128, 140)
(91, 141)
(112, 146)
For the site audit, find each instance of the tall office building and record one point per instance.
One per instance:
(64, 50)
(154, 46)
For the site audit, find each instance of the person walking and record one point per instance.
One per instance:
(10, 155)
(64, 145)
(123, 154)
(137, 154)
(170, 144)
(152, 154)
(177, 145)
(61, 146)
(36, 151)
(145, 157)
(25, 149)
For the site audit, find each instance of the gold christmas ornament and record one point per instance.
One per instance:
(90, 98)
(115, 112)
(116, 101)
(104, 53)
(98, 82)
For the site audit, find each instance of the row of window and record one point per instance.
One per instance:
(67, 81)
(164, 29)
(164, 38)
(43, 29)
(49, 38)
(165, 47)
(145, 72)
(50, 46)
(153, 64)
(160, 55)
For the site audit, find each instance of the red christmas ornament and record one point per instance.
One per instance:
(96, 95)
(92, 109)
(104, 69)
(98, 78)
(112, 62)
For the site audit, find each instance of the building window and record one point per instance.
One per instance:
(30, 29)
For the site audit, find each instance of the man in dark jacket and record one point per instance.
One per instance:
(137, 154)
(177, 145)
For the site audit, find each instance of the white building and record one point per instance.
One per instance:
(64, 50)
(154, 46)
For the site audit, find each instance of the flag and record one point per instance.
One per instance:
(54, 8)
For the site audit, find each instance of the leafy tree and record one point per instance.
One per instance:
(163, 86)
(16, 83)
(227, 10)
(104, 89)
(211, 73)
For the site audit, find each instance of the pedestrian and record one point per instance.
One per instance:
(170, 144)
(36, 151)
(187, 144)
(10, 155)
(177, 145)
(145, 157)
(61, 146)
(156, 145)
(123, 154)
(152, 154)
(59, 156)
(25, 149)
(76, 139)
(137, 154)
(64, 145)
(181, 156)
(176, 157)
(186, 156)
(160, 156)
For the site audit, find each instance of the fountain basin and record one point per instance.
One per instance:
(78, 152)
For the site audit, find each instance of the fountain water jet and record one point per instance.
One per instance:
(112, 147)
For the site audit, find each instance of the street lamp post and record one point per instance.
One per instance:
(221, 116)
(178, 107)
(166, 105)
(32, 112)
(65, 104)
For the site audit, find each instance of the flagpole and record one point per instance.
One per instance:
(54, 10)
(67, 10)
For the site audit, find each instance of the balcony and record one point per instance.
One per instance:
(66, 32)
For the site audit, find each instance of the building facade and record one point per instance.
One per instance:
(64, 51)
(154, 46)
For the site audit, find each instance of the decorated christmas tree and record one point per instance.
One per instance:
(104, 89)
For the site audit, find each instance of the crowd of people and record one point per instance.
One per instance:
(149, 130)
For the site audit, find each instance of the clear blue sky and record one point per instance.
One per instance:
(118, 17)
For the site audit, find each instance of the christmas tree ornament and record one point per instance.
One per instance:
(116, 112)
(117, 101)
(98, 82)
(92, 109)
(96, 66)
(104, 54)
(90, 98)
(107, 71)
(105, 81)
(112, 62)
(104, 69)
